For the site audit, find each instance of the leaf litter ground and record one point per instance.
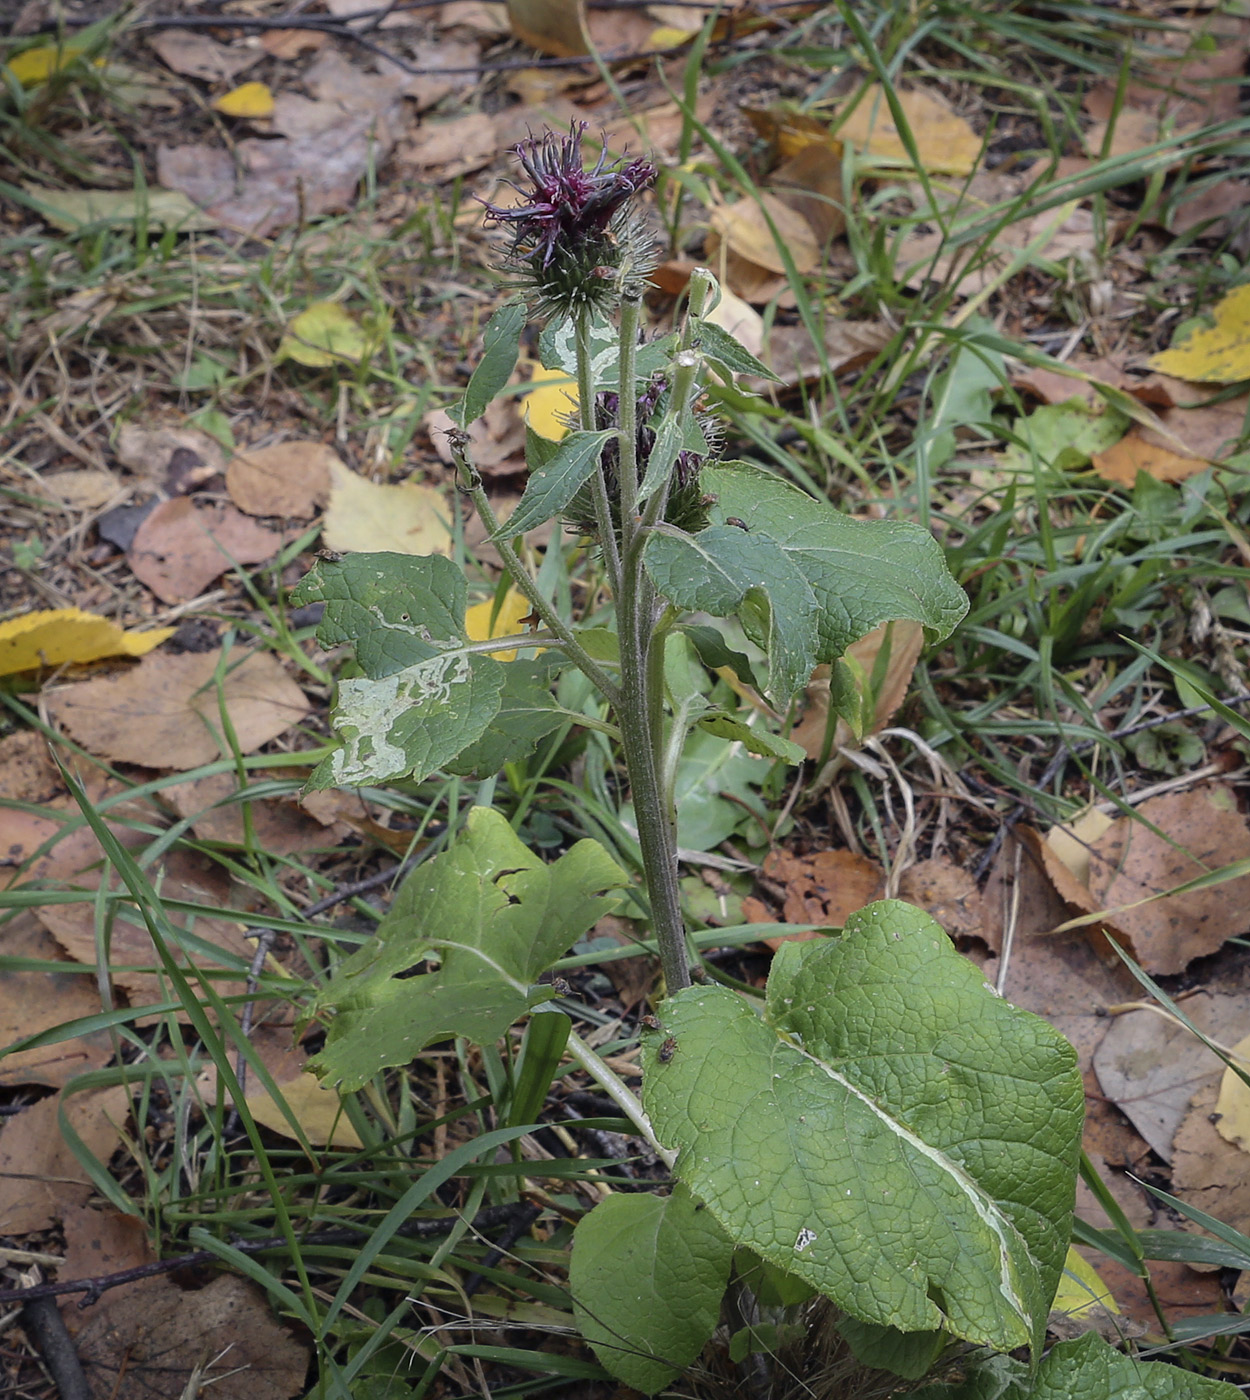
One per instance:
(170, 428)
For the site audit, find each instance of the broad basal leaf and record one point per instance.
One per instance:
(493, 916)
(554, 484)
(647, 1276)
(395, 609)
(1084, 1369)
(411, 723)
(725, 570)
(863, 572)
(890, 1130)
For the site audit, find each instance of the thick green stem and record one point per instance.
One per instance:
(581, 658)
(641, 720)
(598, 484)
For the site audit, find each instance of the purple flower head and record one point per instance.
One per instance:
(568, 206)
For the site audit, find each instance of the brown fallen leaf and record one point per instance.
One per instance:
(39, 1174)
(848, 345)
(746, 229)
(496, 439)
(1207, 1171)
(1209, 208)
(89, 489)
(148, 1343)
(56, 843)
(267, 184)
(288, 478)
(291, 43)
(36, 1001)
(186, 543)
(447, 66)
(811, 184)
(135, 967)
(823, 888)
(403, 518)
(1057, 234)
(1130, 863)
(906, 640)
(947, 892)
(556, 27)
(945, 143)
(150, 451)
(164, 712)
(453, 147)
(281, 826)
(1136, 453)
(199, 56)
(1051, 386)
(99, 1242)
(1151, 1066)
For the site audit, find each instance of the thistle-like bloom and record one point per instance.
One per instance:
(575, 229)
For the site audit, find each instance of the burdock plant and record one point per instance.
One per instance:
(879, 1127)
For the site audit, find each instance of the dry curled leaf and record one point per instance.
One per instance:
(759, 229)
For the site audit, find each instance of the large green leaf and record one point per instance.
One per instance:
(412, 722)
(527, 712)
(890, 1130)
(394, 608)
(493, 916)
(557, 349)
(647, 1274)
(1084, 1369)
(724, 570)
(555, 483)
(864, 572)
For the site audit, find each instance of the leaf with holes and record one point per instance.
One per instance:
(888, 1130)
(396, 609)
(493, 917)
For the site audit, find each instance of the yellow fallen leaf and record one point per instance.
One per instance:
(34, 66)
(1219, 354)
(666, 36)
(363, 515)
(318, 1109)
(510, 620)
(60, 635)
(325, 334)
(945, 143)
(1072, 841)
(547, 406)
(247, 100)
(1232, 1108)
(1080, 1288)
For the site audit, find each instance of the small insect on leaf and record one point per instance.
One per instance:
(734, 520)
(668, 1049)
(650, 1023)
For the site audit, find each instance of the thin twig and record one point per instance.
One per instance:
(46, 1327)
(93, 1288)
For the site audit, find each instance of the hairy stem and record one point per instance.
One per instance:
(641, 721)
